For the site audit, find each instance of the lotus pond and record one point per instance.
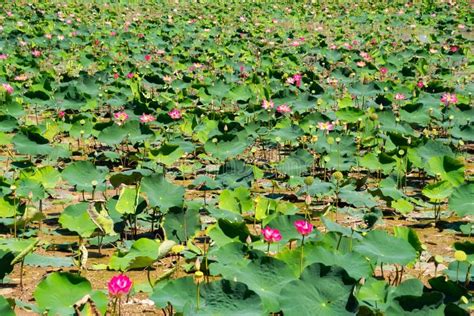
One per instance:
(234, 158)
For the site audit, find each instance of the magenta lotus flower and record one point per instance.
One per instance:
(267, 105)
(303, 227)
(282, 109)
(297, 78)
(175, 114)
(453, 49)
(399, 96)
(130, 75)
(271, 235)
(116, 76)
(8, 88)
(420, 84)
(147, 118)
(147, 57)
(449, 98)
(326, 126)
(36, 53)
(383, 70)
(61, 114)
(119, 285)
(120, 117)
(3, 56)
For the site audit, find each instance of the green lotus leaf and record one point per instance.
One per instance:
(461, 201)
(76, 218)
(161, 193)
(83, 175)
(6, 307)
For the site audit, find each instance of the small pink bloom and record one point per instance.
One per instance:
(36, 53)
(119, 285)
(9, 13)
(267, 105)
(116, 76)
(271, 235)
(48, 36)
(113, 33)
(8, 88)
(22, 77)
(147, 57)
(360, 63)
(399, 96)
(141, 35)
(297, 78)
(453, 49)
(295, 43)
(283, 109)
(68, 21)
(146, 118)
(383, 71)
(449, 98)
(120, 117)
(175, 114)
(304, 228)
(130, 75)
(3, 56)
(420, 84)
(333, 46)
(326, 126)
(61, 114)
(290, 80)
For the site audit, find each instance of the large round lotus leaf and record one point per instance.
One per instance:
(7, 208)
(31, 144)
(438, 191)
(227, 148)
(167, 154)
(181, 223)
(447, 168)
(382, 247)
(225, 231)
(83, 174)
(216, 298)
(266, 276)
(5, 307)
(31, 189)
(320, 292)
(462, 200)
(58, 292)
(429, 304)
(112, 135)
(238, 200)
(48, 176)
(297, 163)
(142, 254)
(162, 193)
(76, 219)
(235, 173)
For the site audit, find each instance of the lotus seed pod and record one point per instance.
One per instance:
(460, 255)
(82, 122)
(13, 187)
(94, 183)
(309, 180)
(338, 176)
(338, 140)
(401, 152)
(438, 259)
(330, 140)
(374, 116)
(198, 277)
(176, 249)
(461, 143)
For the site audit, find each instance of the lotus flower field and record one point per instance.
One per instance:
(236, 158)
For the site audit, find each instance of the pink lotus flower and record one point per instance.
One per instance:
(119, 285)
(399, 96)
(282, 109)
(449, 98)
(130, 75)
(36, 53)
(116, 76)
(22, 77)
(332, 46)
(175, 114)
(420, 84)
(120, 117)
(271, 235)
(8, 88)
(146, 118)
(304, 228)
(113, 33)
(453, 49)
(267, 105)
(61, 114)
(290, 80)
(3, 56)
(326, 126)
(147, 57)
(360, 63)
(297, 78)
(295, 43)
(383, 71)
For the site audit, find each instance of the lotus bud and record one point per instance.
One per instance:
(451, 117)
(226, 128)
(308, 199)
(309, 180)
(82, 132)
(460, 255)
(13, 187)
(214, 140)
(464, 300)
(381, 107)
(248, 240)
(397, 119)
(461, 143)
(197, 264)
